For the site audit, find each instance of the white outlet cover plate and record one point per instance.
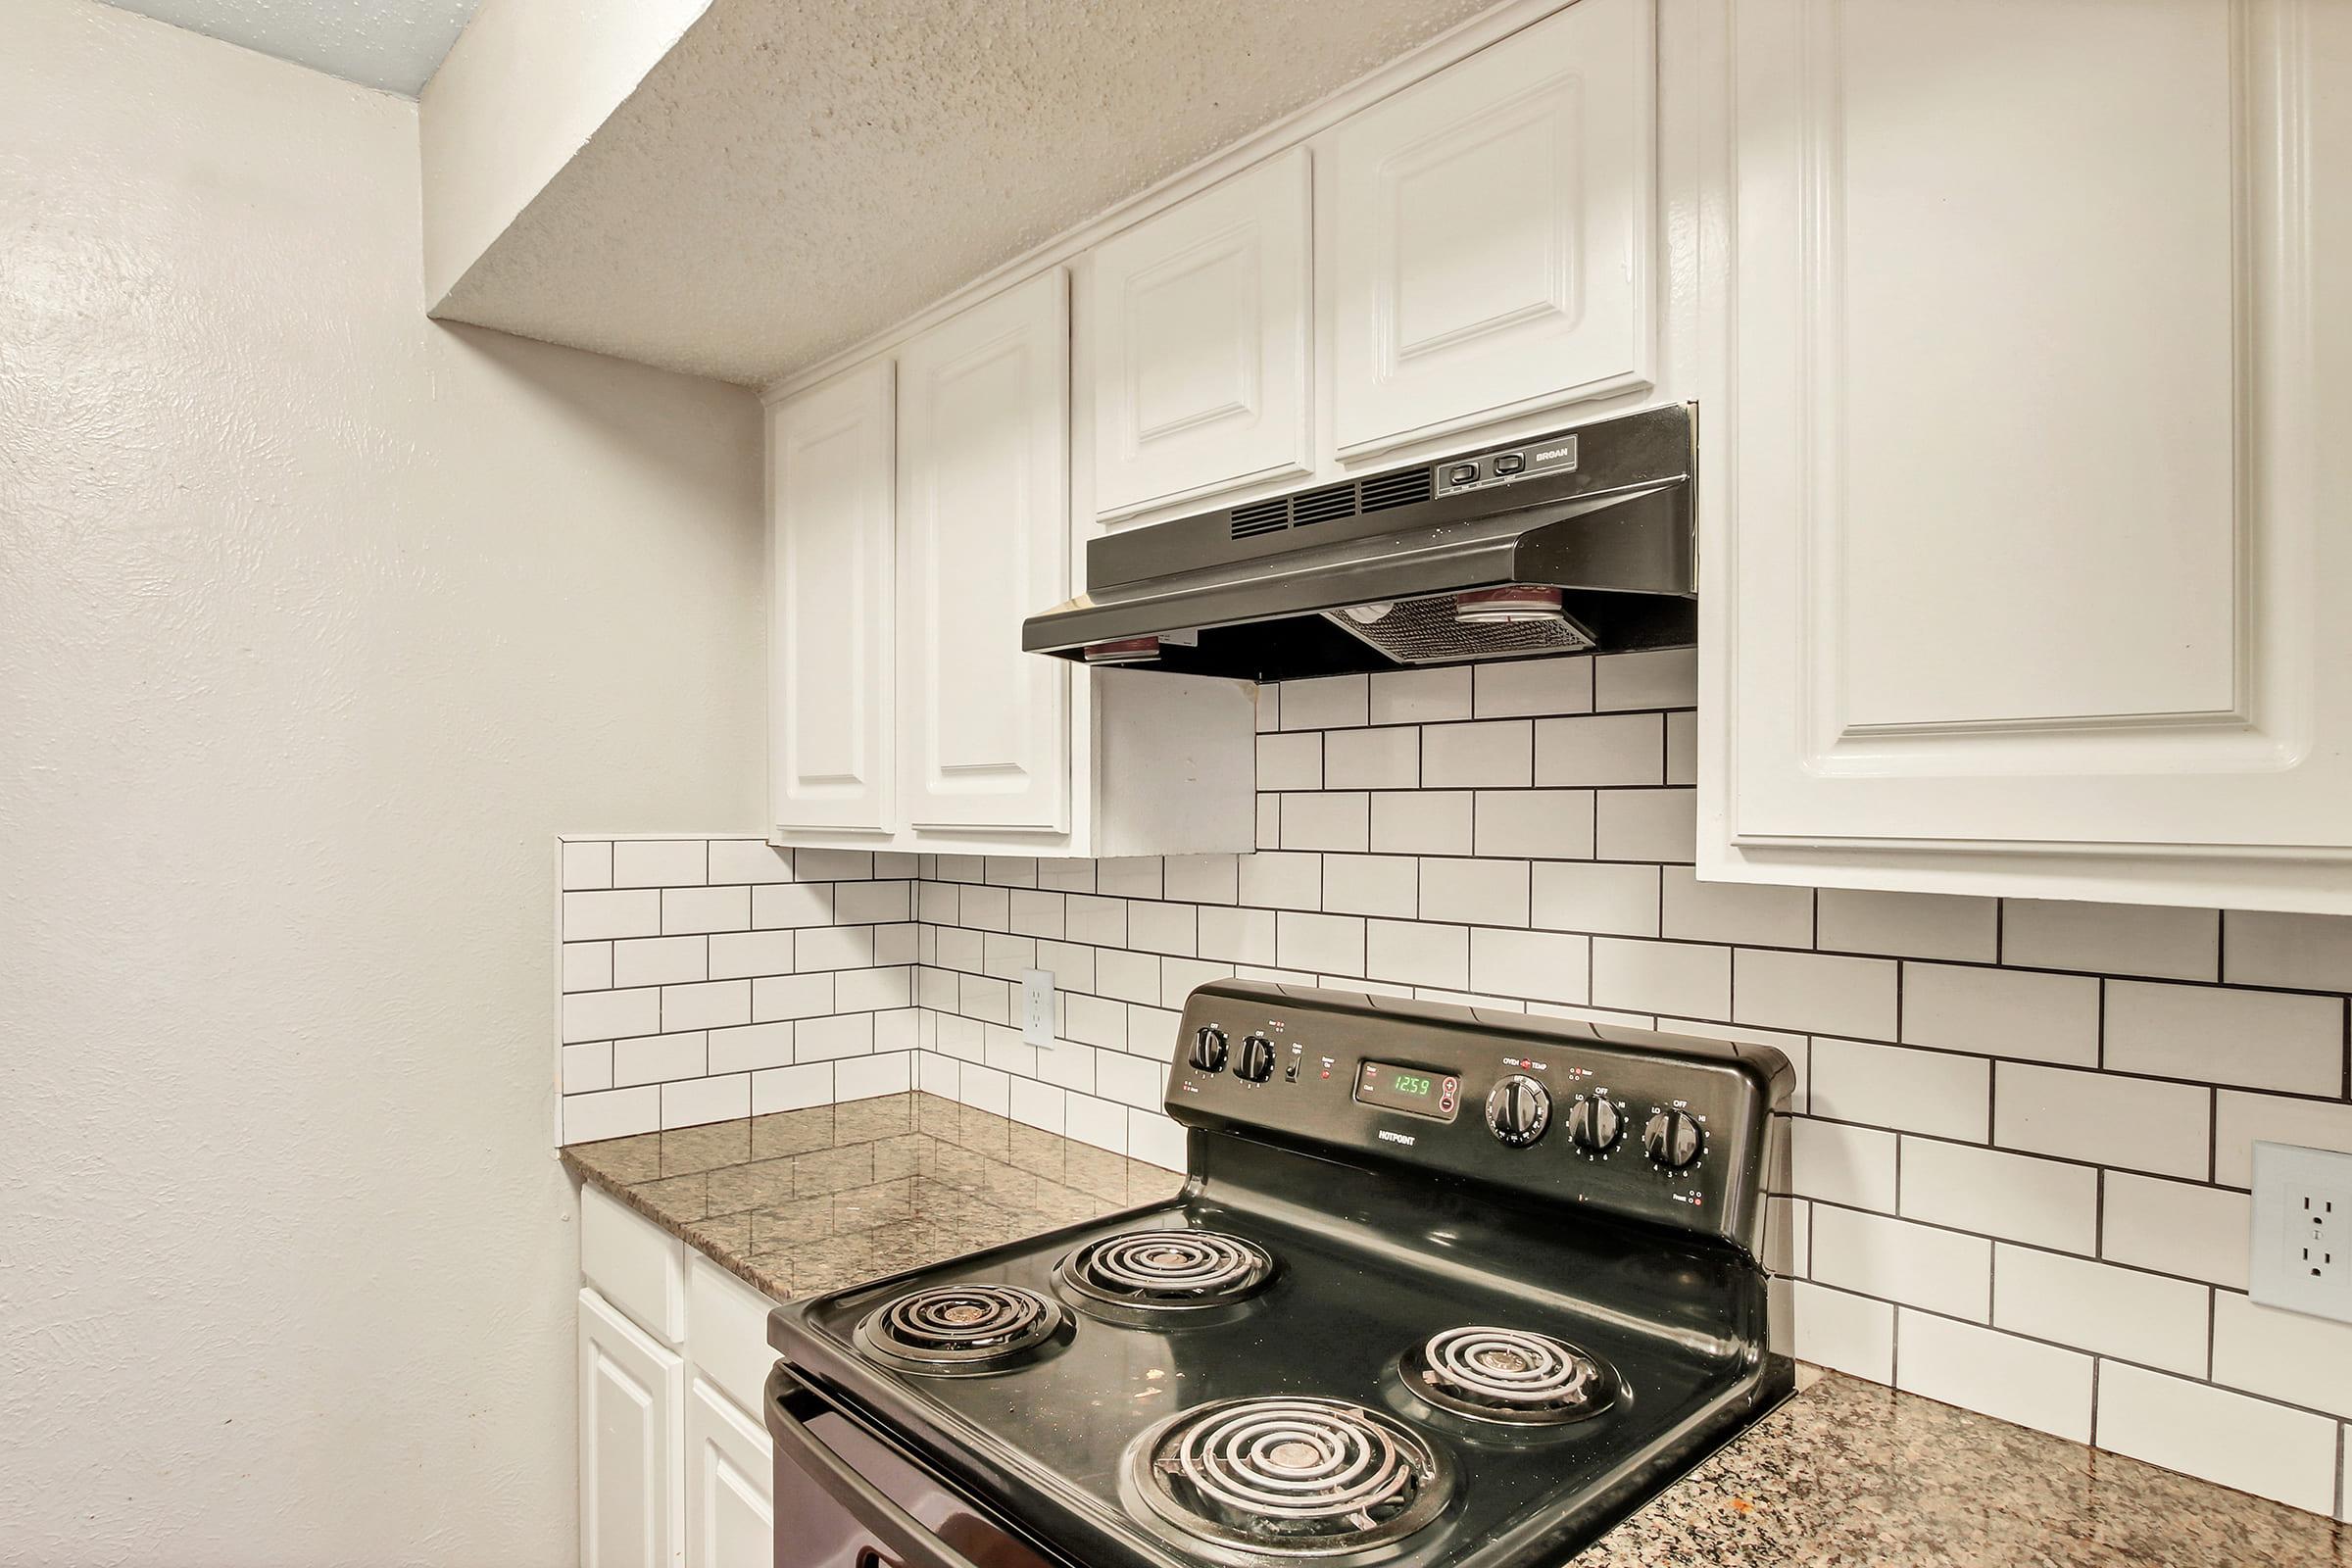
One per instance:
(1037, 1006)
(2302, 1241)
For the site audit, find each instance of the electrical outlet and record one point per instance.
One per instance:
(1037, 1006)
(2302, 1256)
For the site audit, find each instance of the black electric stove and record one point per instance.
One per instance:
(1443, 1287)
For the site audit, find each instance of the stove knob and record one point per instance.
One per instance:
(1596, 1124)
(1673, 1138)
(1208, 1049)
(1518, 1110)
(1258, 1059)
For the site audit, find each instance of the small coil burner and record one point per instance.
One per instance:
(1301, 1477)
(1508, 1375)
(1155, 1272)
(960, 1329)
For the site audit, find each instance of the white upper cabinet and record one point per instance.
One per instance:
(2030, 576)
(984, 518)
(1199, 325)
(1490, 233)
(830, 480)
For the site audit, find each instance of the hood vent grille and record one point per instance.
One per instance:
(1332, 502)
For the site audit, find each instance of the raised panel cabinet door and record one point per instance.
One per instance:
(1198, 321)
(830, 499)
(984, 542)
(632, 1443)
(730, 1485)
(1491, 237)
(2040, 524)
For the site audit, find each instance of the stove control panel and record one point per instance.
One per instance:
(1669, 1128)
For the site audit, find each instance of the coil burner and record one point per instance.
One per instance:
(1157, 1272)
(1508, 1375)
(957, 1330)
(1289, 1477)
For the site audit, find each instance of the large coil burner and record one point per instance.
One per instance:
(961, 1330)
(1508, 1375)
(1289, 1477)
(1157, 1273)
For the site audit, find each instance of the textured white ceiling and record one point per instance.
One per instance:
(795, 177)
(392, 44)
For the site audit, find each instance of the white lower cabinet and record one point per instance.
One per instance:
(676, 1466)
(730, 1485)
(632, 1406)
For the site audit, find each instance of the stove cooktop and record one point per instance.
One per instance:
(1365, 1332)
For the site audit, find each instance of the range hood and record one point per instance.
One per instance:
(1580, 539)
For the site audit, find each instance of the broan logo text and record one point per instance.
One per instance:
(1554, 453)
(1397, 1138)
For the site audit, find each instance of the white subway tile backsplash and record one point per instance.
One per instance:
(2144, 1318)
(711, 1004)
(2283, 1355)
(1329, 704)
(748, 860)
(1482, 754)
(686, 910)
(2039, 1386)
(2046, 1202)
(597, 916)
(1421, 696)
(1753, 913)
(665, 961)
(1685, 978)
(2005, 1160)
(1544, 825)
(1910, 925)
(1917, 1266)
(1816, 993)
(586, 865)
(1915, 1090)
(2002, 1013)
(2103, 1119)
(611, 1015)
(1640, 825)
(1338, 820)
(1599, 896)
(1600, 749)
(2173, 1227)
(2111, 938)
(661, 862)
(2252, 1444)
(1290, 760)
(2258, 1039)
(1519, 688)
(1419, 822)
(2300, 951)
(1372, 759)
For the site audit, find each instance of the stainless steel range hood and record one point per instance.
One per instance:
(1579, 539)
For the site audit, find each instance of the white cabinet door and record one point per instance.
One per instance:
(983, 541)
(632, 1401)
(730, 1485)
(830, 477)
(1199, 321)
(2041, 520)
(1491, 232)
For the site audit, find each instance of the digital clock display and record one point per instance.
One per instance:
(1393, 1086)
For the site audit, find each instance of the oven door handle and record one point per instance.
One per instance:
(793, 1403)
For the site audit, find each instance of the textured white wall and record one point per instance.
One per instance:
(316, 621)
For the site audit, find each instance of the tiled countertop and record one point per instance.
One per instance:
(1845, 1475)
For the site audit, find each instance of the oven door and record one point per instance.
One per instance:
(845, 1500)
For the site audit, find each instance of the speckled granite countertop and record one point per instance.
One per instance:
(810, 1201)
(1845, 1475)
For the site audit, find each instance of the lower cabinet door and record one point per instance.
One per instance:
(730, 1485)
(632, 1443)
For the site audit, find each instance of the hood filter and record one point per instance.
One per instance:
(1429, 631)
